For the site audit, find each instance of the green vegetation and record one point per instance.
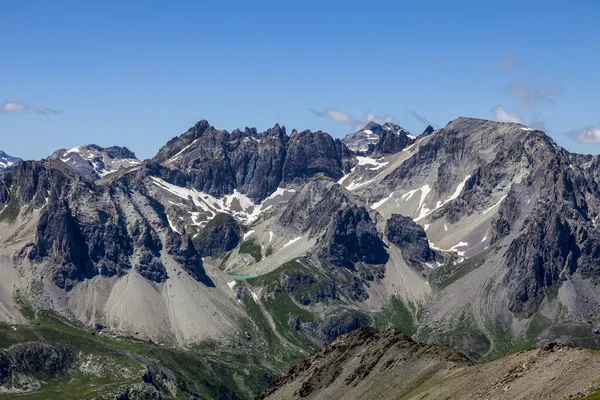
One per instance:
(224, 260)
(593, 396)
(397, 314)
(10, 211)
(251, 247)
(269, 251)
(279, 351)
(211, 370)
(449, 273)
(269, 279)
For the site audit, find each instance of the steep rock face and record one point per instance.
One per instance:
(310, 210)
(352, 237)
(217, 162)
(391, 142)
(310, 153)
(558, 240)
(410, 238)
(182, 249)
(86, 229)
(346, 233)
(221, 234)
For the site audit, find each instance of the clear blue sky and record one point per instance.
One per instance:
(137, 73)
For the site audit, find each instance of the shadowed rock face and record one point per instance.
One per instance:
(410, 238)
(86, 230)
(183, 251)
(352, 237)
(220, 235)
(558, 239)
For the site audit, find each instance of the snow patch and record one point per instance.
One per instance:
(379, 203)
(231, 284)
(354, 185)
(172, 226)
(371, 161)
(426, 211)
(291, 242)
(236, 204)
(495, 205)
(248, 234)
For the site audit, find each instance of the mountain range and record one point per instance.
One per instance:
(259, 248)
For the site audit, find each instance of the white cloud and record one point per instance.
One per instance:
(370, 117)
(14, 107)
(586, 135)
(504, 116)
(355, 123)
(336, 115)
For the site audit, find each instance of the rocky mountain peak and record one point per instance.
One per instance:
(7, 161)
(428, 130)
(387, 138)
(94, 162)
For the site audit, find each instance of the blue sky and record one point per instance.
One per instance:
(138, 73)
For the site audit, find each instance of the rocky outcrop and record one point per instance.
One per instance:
(352, 237)
(310, 153)
(428, 130)
(383, 139)
(410, 238)
(26, 365)
(219, 235)
(183, 251)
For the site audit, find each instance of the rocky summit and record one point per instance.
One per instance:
(216, 266)
(7, 161)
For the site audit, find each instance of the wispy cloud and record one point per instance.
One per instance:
(349, 119)
(502, 115)
(508, 61)
(370, 117)
(534, 94)
(15, 107)
(336, 115)
(586, 135)
(421, 118)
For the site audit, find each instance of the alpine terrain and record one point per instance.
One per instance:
(213, 268)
